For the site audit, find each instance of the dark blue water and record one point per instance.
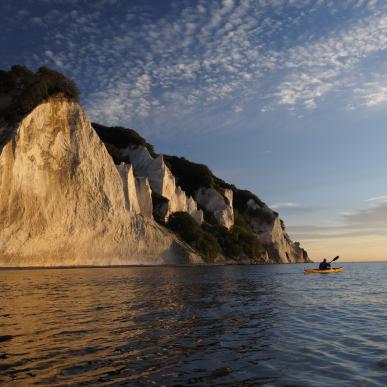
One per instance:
(239, 325)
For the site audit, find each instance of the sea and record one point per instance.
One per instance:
(267, 325)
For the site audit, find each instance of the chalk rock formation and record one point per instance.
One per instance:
(162, 182)
(63, 201)
(129, 187)
(270, 230)
(144, 196)
(220, 206)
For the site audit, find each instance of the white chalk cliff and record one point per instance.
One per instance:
(220, 206)
(64, 202)
(129, 186)
(272, 234)
(269, 228)
(144, 196)
(162, 182)
(79, 193)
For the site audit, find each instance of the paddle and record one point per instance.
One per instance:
(334, 259)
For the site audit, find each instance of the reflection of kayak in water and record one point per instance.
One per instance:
(327, 271)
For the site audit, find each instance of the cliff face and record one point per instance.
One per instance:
(162, 182)
(266, 225)
(75, 193)
(271, 232)
(219, 205)
(64, 202)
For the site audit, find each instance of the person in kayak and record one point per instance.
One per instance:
(324, 265)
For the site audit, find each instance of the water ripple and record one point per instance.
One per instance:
(240, 326)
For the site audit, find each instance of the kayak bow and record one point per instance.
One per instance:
(334, 270)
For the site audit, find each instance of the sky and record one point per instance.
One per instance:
(286, 98)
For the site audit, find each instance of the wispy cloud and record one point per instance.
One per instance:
(378, 199)
(369, 221)
(311, 232)
(371, 217)
(290, 207)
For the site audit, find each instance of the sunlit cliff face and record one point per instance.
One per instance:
(62, 201)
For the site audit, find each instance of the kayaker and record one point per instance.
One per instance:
(324, 265)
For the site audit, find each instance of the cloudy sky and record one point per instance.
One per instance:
(287, 98)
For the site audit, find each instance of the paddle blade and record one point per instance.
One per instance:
(335, 259)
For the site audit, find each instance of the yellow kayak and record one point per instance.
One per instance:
(334, 270)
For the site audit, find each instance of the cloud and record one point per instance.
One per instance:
(303, 88)
(280, 206)
(58, 62)
(324, 65)
(372, 94)
(36, 20)
(372, 217)
(290, 207)
(378, 199)
(137, 66)
(370, 221)
(312, 232)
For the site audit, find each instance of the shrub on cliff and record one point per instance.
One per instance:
(262, 214)
(121, 137)
(185, 226)
(26, 90)
(227, 240)
(239, 242)
(246, 238)
(189, 176)
(242, 196)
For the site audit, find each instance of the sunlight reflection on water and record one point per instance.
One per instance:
(239, 325)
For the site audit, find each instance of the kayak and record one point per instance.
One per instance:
(334, 270)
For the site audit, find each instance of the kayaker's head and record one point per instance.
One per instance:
(324, 260)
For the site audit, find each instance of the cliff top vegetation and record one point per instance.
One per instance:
(121, 137)
(21, 90)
